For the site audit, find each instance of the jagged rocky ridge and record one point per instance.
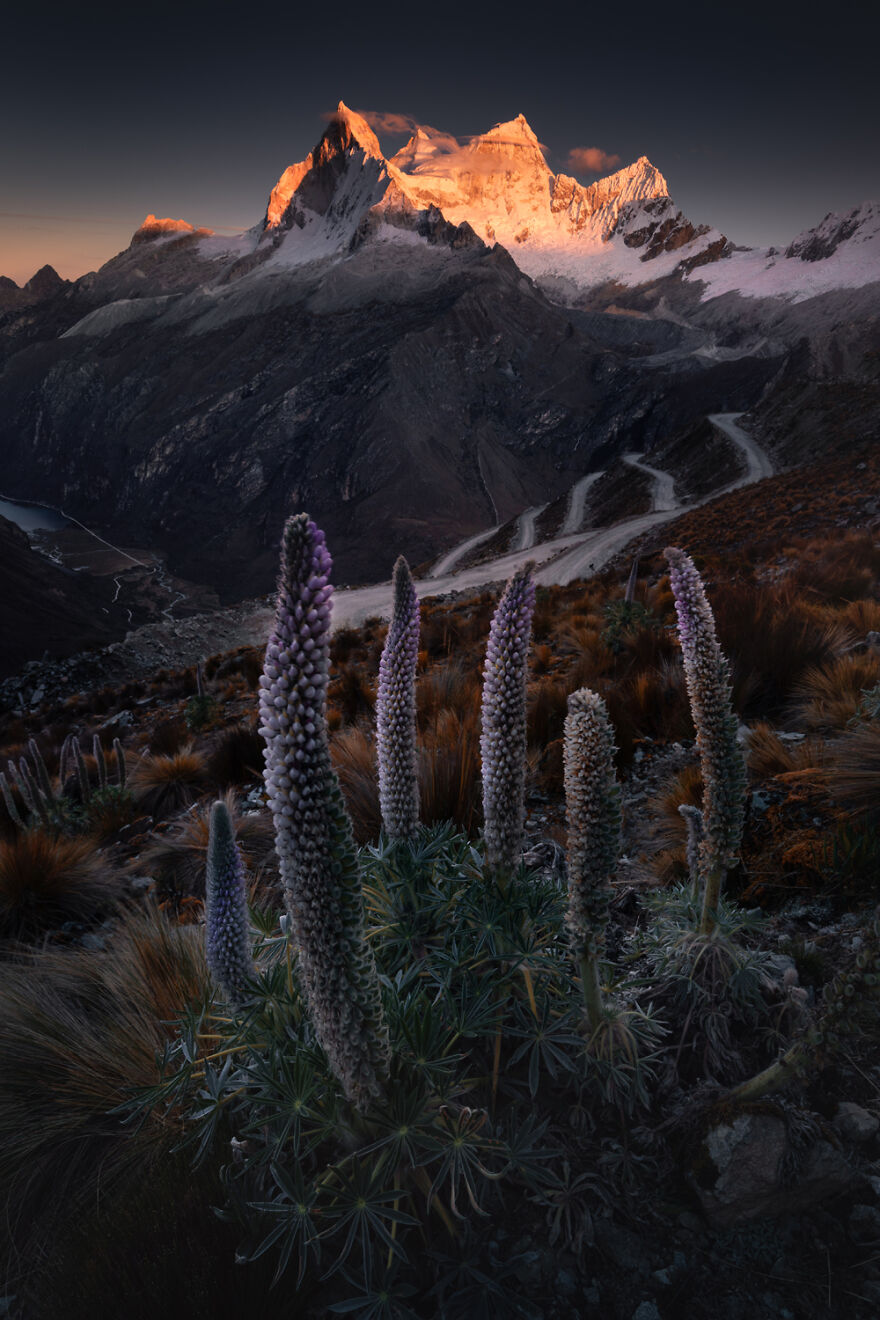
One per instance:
(415, 347)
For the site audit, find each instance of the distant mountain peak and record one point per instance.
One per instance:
(516, 132)
(349, 131)
(152, 227)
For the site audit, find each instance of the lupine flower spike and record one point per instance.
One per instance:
(721, 758)
(592, 808)
(396, 711)
(693, 818)
(314, 838)
(227, 936)
(503, 738)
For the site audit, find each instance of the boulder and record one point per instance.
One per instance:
(746, 1169)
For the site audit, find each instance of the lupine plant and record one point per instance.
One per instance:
(314, 839)
(503, 737)
(227, 933)
(396, 711)
(53, 808)
(721, 758)
(473, 955)
(592, 808)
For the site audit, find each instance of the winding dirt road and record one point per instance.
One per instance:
(565, 558)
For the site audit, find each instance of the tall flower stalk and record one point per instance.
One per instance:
(592, 809)
(314, 839)
(721, 758)
(503, 737)
(396, 711)
(227, 937)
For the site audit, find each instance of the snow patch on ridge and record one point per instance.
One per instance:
(843, 252)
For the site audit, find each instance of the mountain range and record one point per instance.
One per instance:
(417, 347)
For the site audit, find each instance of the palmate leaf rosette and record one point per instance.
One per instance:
(503, 736)
(314, 839)
(396, 711)
(721, 758)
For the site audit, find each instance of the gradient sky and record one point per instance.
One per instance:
(761, 120)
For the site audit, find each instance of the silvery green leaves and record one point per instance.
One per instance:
(503, 738)
(227, 937)
(396, 711)
(592, 809)
(314, 838)
(721, 758)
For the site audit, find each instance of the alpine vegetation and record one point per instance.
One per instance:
(314, 839)
(503, 737)
(227, 937)
(592, 808)
(396, 711)
(721, 758)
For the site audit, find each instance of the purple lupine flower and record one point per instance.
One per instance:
(314, 839)
(592, 810)
(396, 711)
(503, 737)
(721, 758)
(227, 938)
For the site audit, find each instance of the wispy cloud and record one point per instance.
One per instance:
(591, 159)
(387, 121)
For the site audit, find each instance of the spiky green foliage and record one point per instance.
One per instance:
(396, 711)
(227, 935)
(723, 764)
(314, 839)
(592, 809)
(482, 1016)
(503, 738)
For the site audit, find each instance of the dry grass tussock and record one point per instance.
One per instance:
(845, 568)
(165, 784)
(354, 758)
(236, 757)
(449, 770)
(768, 755)
(828, 696)
(685, 789)
(78, 1030)
(853, 779)
(177, 858)
(772, 638)
(47, 880)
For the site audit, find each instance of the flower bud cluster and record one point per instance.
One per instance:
(592, 809)
(503, 737)
(708, 682)
(396, 711)
(693, 818)
(227, 938)
(314, 838)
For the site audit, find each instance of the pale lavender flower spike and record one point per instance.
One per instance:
(592, 809)
(227, 935)
(721, 757)
(396, 711)
(314, 839)
(503, 738)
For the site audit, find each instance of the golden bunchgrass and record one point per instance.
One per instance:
(47, 879)
(163, 784)
(78, 1030)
